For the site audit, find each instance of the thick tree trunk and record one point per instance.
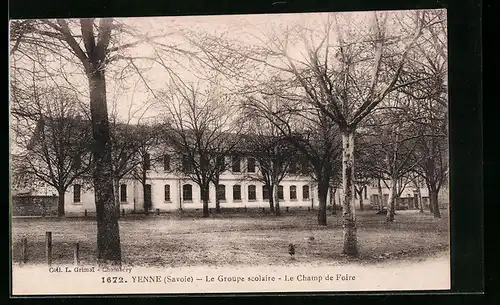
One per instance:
(348, 209)
(60, 203)
(204, 196)
(116, 187)
(322, 196)
(217, 199)
(433, 197)
(108, 231)
(380, 196)
(361, 200)
(276, 200)
(392, 200)
(271, 204)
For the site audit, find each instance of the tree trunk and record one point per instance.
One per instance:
(204, 196)
(271, 204)
(332, 200)
(276, 200)
(60, 203)
(380, 196)
(108, 231)
(433, 197)
(217, 199)
(361, 199)
(116, 187)
(348, 214)
(392, 200)
(322, 196)
(420, 204)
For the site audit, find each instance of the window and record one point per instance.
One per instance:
(280, 192)
(147, 161)
(293, 192)
(221, 162)
(77, 189)
(236, 192)
(305, 192)
(265, 192)
(166, 190)
(166, 163)
(187, 192)
(123, 193)
(292, 169)
(252, 192)
(221, 192)
(251, 165)
(186, 164)
(235, 167)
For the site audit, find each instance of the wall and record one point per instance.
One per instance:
(34, 205)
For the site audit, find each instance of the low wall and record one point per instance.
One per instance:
(34, 205)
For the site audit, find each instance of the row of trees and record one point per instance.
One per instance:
(376, 81)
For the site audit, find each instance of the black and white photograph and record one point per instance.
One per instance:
(244, 153)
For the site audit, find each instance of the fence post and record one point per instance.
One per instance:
(48, 248)
(287, 209)
(85, 213)
(76, 253)
(24, 250)
(123, 212)
(157, 211)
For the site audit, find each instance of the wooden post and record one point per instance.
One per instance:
(24, 250)
(85, 213)
(123, 212)
(263, 210)
(308, 209)
(287, 209)
(157, 211)
(48, 248)
(76, 253)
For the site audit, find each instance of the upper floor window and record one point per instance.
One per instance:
(236, 192)
(166, 163)
(251, 165)
(236, 164)
(293, 192)
(123, 193)
(292, 168)
(252, 192)
(187, 192)
(77, 192)
(186, 164)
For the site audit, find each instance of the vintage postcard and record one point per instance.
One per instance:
(301, 152)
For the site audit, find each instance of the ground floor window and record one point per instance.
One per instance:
(265, 192)
(187, 192)
(77, 192)
(123, 193)
(281, 196)
(167, 192)
(293, 192)
(252, 192)
(236, 192)
(221, 192)
(305, 192)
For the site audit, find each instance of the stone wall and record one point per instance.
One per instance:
(34, 205)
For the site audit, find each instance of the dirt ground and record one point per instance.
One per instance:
(238, 239)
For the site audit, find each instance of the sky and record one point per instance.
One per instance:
(132, 97)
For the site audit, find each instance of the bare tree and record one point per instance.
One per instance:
(336, 79)
(90, 45)
(311, 134)
(200, 127)
(54, 139)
